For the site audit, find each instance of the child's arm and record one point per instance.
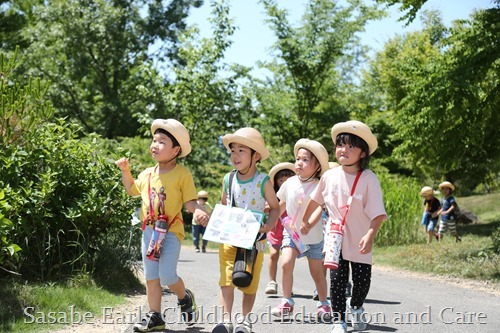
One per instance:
(314, 217)
(127, 178)
(198, 213)
(274, 208)
(366, 243)
(311, 207)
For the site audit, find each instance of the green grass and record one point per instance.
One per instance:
(44, 307)
(473, 258)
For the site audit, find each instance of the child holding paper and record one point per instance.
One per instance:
(250, 189)
(311, 160)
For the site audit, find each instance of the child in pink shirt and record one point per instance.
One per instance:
(354, 143)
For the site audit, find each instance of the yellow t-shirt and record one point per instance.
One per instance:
(165, 193)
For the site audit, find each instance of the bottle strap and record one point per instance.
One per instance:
(349, 200)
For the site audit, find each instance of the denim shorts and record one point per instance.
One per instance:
(166, 268)
(429, 222)
(315, 250)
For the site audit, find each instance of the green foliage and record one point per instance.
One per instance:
(495, 238)
(306, 91)
(441, 86)
(403, 205)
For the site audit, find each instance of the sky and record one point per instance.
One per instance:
(253, 39)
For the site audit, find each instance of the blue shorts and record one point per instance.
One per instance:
(429, 222)
(166, 268)
(315, 250)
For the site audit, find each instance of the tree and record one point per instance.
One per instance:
(97, 56)
(441, 85)
(308, 73)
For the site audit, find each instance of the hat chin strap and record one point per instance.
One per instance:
(248, 169)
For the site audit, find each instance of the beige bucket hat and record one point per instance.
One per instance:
(203, 194)
(249, 137)
(278, 167)
(426, 190)
(357, 128)
(317, 149)
(178, 131)
(447, 184)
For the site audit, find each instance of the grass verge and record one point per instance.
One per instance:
(476, 257)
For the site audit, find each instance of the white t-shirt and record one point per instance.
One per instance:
(291, 192)
(333, 191)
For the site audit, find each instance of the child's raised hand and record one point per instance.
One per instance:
(201, 216)
(123, 164)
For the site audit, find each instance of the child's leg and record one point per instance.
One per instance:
(274, 255)
(452, 225)
(338, 282)
(247, 303)
(442, 229)
(318, 275)
(204, 242)
(288, 257)
(154, 293)
(226, 301)
(361, 279)
(196, 236)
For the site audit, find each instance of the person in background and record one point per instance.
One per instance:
(278, 174)
(430, 214)
(449, 208)
(198, 228)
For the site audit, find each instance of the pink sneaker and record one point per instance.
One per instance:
(285, 308)
(324, 312)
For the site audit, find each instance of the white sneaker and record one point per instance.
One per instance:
(357, 319)
(272, 288)
(339, 327)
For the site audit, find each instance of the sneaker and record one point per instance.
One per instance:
(285, 308)
(204, 249)
(244, 327)
(324, 312)
(152, 321)
(272, 288)
(339, 327)
(357, 319)
(189, 310)
(197, 250)
(348, 289)
(315, 295)
(223, 328)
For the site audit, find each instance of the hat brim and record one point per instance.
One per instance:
(358, 129)
(256, 146)
(278, 167)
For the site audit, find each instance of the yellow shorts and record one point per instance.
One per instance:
(226, 263)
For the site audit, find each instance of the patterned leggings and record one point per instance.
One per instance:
(361, 278)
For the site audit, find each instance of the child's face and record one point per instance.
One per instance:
(428, 196)
(162, 149)
(281, 180)
(241, 156)
(347, 154)
(446, 191)
(306, 164)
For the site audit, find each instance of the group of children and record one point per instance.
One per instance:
(433, 209)
(300, 193)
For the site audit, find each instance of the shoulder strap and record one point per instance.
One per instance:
(230, 187)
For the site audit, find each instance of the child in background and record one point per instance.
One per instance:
(430, 214)
(198, 228)
(163, 190)
(311, 160)
(354, 143)
(278, 174)
(448, 210)
(250, 189)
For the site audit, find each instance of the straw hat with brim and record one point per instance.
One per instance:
(178, 131)
(203, 194)
(447, 184)
(357, 128)
(249, 137)
(333, 165)
(426, 190)
(278, 167)
(318, 150)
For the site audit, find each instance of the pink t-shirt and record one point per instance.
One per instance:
(333, 190)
